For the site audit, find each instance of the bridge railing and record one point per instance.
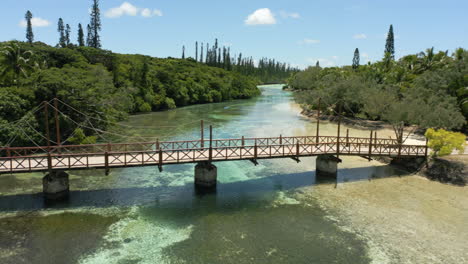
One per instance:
(173, 145)
(123, 158)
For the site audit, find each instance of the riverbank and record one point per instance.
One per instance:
(452, 169)
(356, 122)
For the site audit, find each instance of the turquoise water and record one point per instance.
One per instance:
(139, 215)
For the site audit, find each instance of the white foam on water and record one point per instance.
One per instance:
(146, 241)
(283, 199)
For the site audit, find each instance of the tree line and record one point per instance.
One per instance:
(427, 89)
(266, 70)
(93, 28)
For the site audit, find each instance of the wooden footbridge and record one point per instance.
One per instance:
(107, 156)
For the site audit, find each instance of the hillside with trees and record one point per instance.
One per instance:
(104, 85)
(429, 89)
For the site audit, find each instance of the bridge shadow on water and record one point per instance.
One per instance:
(232, 195)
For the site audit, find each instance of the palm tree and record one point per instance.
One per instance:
(15, 63)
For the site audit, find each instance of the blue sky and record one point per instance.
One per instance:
(295, 31)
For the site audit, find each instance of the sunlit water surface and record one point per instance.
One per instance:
(276, 212)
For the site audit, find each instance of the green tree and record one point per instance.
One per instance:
(183, 52)
(390, 43)
(81, 41)
(67, 35)
(201, 53)
(444, 142)
(317, 64)
(356, 59)
(79, 138)
(16, 64)
(95, 25)
(196, 50)
(61, 31)
(29, 31)
(89, 37)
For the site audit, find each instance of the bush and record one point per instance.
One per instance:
(170, 104)
(444, 142)
(145, 107)
(79, 138)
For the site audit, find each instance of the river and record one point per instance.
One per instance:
(276, 212)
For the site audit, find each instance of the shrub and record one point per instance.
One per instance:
(444, 142)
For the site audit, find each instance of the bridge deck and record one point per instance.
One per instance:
(19, 160)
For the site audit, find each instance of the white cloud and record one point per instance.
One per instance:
(36, 22)
(262, 16)
(128, 9)
(157, 12)
(360, 36)
(309, 41)
(146, 12)
(285, 14)
(124, 9)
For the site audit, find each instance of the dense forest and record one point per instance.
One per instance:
(105, 86)
(265, 70)
(429, 89)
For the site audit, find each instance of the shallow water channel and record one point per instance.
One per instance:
(276, 212)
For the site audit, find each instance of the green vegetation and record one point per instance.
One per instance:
(29, 31)
(103, 85)
(427, 89)
(267, 70)
(81, 41)
(94, 40)
(356, 59)
(444, 142)
(390, 44)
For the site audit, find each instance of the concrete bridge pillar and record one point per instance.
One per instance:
(327, 166)
(55, 185)
(206, 175)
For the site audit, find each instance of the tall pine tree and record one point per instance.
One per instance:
(317, 64)
(196, 50)
(81, 41)
(61, 31)
(201, 53)
(95, 25)
(183, 52)
(390, 44)
(29, 31)
(356, 59)
(89, 37)
(67, 34)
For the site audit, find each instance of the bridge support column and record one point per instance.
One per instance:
(55, 185)
(327, 166)
(205, 175)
